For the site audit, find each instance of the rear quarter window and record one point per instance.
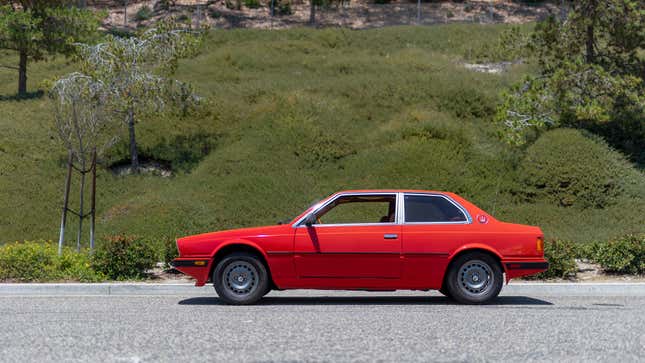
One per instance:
(426, 208)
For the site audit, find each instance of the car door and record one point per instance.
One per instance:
(433, 226)
(362, 243)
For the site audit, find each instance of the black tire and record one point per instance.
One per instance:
(445, 292)
(241, 279)
(464, 278)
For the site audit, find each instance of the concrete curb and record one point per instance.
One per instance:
(133, 289)
(575, 289)
(102, 289)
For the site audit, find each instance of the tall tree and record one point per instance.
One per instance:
(35, 29)
(591, 75)
(136, 71)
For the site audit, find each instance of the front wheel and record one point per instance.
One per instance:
(474, 278)
(240, 279)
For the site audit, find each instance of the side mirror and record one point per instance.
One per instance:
(310, 220)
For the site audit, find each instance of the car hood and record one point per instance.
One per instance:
(199, 242)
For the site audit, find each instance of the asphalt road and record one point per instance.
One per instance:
(321, 326)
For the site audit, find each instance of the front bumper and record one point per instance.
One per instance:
(197, 268)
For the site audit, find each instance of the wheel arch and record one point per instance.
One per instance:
(469, 249)
(227, 248)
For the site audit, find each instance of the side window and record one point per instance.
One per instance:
(424, 208)
(359, 209)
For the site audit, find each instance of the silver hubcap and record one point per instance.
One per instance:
(241, 277)
(475, 277)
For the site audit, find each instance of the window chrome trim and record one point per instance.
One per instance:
(400, 212)
(370, 224)
(320, 206)
(463, 210)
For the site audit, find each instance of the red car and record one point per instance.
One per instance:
(375, 240)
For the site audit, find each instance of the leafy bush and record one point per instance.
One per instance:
(435, 126)
(124, 257)
(169, 250)
(622, 255)
(467, 102)
(589, 250)
(39, 262)
(561, 256)
(322, 150)
(144, 13)
(165, 4)
(283, 7)
(252, 4)
(182, 151)
(567, 168)
(233, 5)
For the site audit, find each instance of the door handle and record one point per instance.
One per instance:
(390, 236)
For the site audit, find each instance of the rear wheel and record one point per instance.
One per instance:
(445, 292)
(241, 279)
(474, 278)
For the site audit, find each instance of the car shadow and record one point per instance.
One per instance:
(366, 300)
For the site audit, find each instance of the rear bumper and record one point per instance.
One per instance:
(197, 268)
(526, 267)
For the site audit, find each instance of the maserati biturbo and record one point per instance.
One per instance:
(375, 240)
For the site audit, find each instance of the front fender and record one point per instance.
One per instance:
(238, 242)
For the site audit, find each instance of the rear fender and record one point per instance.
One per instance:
(480, 246)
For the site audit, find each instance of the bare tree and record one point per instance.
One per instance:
(85, 129)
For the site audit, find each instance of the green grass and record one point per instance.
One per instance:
(292, 116)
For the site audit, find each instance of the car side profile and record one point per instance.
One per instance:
(375, 240)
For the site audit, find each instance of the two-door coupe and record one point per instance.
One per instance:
(373, 240)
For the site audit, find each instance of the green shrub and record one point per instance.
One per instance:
(170, 250)
(144, 13)
(322, 150)
(125, 257)
(233, 4)
(588, 250)
(252, 4)
(561, 256)
(165, 4)
(435, 126)
(622, 255)
(567, 168)
(214, 13)
(183, 152)
(467, 102)
(283, 7)
(39, 262)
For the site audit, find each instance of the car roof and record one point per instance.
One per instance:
(392, 191)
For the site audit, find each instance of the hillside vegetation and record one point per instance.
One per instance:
(291, 116)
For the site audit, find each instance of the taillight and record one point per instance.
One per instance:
(539, 244)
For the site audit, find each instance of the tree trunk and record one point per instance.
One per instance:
(590, 54)
(312, 12)
(80, 209)
(590, 41)
(22, 74)
(125, 13)
(134, 155)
